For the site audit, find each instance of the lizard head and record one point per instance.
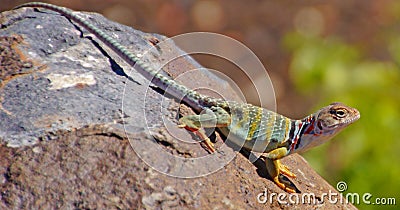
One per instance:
(325, 124)
(334, 118)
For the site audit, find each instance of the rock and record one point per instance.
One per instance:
(81, 129)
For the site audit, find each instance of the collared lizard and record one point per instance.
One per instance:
(252, 127)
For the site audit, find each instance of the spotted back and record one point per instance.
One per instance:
(257, 129)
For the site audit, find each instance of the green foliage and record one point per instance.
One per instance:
(366, 155)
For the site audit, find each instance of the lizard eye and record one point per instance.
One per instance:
(339, 113)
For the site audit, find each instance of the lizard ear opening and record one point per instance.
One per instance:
(319, 125)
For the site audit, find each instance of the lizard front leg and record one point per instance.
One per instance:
(275, 167)
(211, 118)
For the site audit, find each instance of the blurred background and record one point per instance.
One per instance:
(316, 52)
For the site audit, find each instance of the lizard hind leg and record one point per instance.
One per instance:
(209, 118)
(194, 123)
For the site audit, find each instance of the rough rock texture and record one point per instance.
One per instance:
(80, 129)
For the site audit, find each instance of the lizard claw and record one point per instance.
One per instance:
(207, 142)
(283, 186)
(209, 145)
(283, 169)
(181, 126)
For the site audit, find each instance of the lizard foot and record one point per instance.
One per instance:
(207, 142)
(275, 168)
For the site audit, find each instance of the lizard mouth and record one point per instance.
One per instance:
(356, 116)
(353, 119)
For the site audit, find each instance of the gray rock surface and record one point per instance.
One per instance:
(81, 129)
